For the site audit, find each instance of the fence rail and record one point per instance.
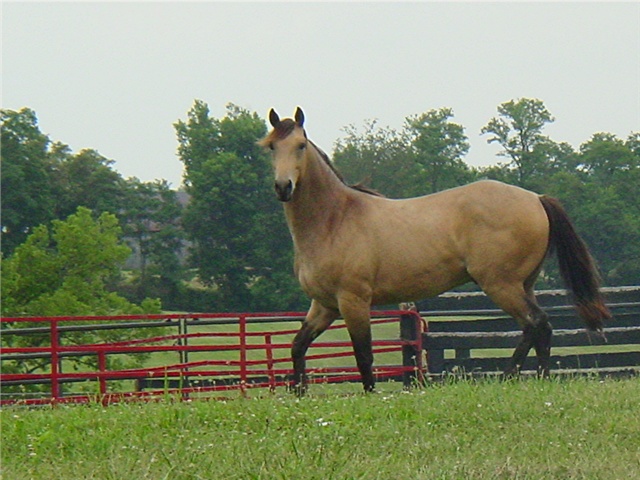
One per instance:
(215, 352)
(483, 344)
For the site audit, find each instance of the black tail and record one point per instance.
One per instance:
(577, 267)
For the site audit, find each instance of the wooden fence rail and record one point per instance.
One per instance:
(483, 344)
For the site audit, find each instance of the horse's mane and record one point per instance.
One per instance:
(358, 186)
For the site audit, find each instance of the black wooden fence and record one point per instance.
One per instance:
(465, 339)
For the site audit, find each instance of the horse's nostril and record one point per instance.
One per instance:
(284, 190)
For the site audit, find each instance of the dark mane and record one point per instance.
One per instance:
(363, 188)
(358, 186)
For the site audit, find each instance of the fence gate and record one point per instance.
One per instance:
(54, 359)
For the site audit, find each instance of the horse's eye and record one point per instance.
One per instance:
(271, 147)
(302, 146)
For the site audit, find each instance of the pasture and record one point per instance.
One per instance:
(530, 428)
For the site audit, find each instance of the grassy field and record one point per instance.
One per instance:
(528, 429)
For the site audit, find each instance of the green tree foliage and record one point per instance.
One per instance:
(426, 156)
(602, 194)
(518, 130)
(44, 180)
(439, 147)
(66, 270)
(84, 179)
(151, 218)
(377, 157)
(240, 242)
(27, 198)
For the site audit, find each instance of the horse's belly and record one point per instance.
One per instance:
(399, 278)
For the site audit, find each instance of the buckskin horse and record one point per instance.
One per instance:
(355, 248)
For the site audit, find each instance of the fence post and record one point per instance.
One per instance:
(435, 361)
(243, 353)
(183, 341)
(55, 361)
(411, 351)
(102, 368)
(269, 348)
(462, 353)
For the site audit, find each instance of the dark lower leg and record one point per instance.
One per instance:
(520, 354)
(539, 337)
(364, 359)
(318, 320)
(542, 344)
(542, 332)
(299, 349)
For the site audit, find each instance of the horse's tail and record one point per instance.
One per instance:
(577, 267)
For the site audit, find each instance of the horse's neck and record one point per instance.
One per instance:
(320, 199)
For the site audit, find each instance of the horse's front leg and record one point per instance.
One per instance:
(317, 321)
(356, 314)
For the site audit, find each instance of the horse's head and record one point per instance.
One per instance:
(288, 143)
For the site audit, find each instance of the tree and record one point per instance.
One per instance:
(85, 179)
(518, 130)
(611, 180)
(151, 219)
(27, 199)
(424, 157)
(439, 147)
(608, 159)
(44, 180)
(65, 270)
(379, 158)
(241, 245)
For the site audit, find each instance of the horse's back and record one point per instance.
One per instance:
(479, 209)
(485, 231)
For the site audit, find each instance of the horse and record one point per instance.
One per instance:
(354, 248)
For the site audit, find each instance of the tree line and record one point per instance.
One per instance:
(228, 247)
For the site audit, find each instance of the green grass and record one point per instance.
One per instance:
(529, 429)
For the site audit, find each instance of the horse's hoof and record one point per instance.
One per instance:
(298, 390)
(510, 374)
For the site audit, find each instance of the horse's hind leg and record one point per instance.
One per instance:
(536, 335)
(541, 338)
(318, 319)
(536, 329)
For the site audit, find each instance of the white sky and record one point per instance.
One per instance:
(116, 76)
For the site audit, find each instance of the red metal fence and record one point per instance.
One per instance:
(199, 355)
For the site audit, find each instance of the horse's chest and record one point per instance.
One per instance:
(316, 280)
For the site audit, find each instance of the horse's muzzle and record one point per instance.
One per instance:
(284, 190)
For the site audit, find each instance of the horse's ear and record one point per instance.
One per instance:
(274, 118)
(299, 117)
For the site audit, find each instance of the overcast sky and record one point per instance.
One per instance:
(116, 76)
